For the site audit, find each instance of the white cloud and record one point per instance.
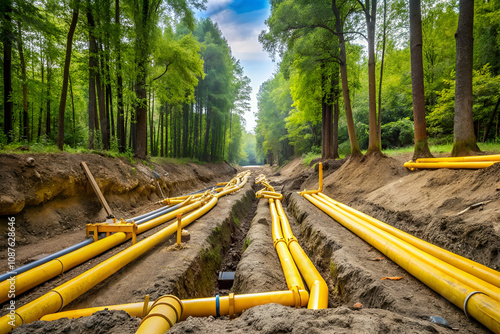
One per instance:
(241, 31)
(215, 5)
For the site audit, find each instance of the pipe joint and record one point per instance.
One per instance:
(278, 241)
(290, 240)
(164, 309)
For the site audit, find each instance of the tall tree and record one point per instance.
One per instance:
(7, 37)
(464, 139)
(370, 10)
(339, 24)
(24, 118)
(120, 122)
(67, 61)
(417, 79)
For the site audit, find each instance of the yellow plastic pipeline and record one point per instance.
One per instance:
(480, 306)
(268, 194)
(451, 165)
(485, 273)
(165, 312)
(495, 157)
(320, 186)
(40, 274)
(318, 290)
(133, 309)
(460, 275)
(57, 298)
(235, 304)
(290, 270)
(201, 307)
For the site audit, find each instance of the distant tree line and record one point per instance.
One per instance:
(430, 69)
(138, 76)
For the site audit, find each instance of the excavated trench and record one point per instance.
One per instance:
(236, 236)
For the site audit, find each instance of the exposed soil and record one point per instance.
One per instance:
(54, 196)
(423, 203)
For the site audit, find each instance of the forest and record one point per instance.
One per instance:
(344, 83)
(149, 78)
(140, 77)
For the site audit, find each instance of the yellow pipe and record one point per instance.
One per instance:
(318, 290)
(40, 274)
(57, 298)
(460, 275)
(133, 309)
(481, 307)
(451, 165)
(268, 195)
(483, 272)
(495, 157)
(204, 307)
(165, 312)
(290, 270)
(200, 307)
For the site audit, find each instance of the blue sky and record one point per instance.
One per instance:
(241, 23)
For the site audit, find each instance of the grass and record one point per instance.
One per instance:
(246, 244)
(493, 147)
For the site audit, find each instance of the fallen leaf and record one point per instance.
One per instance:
(358, 305)
(395, 278)
(377, 259)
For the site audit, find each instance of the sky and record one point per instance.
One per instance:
(241, 23)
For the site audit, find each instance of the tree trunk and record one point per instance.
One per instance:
(335, 130)
(25, 119)
(142, 47)
(185, 129)
(101, 99)
(417, 80)
(490, 123)
(379, 122)
(373, 141)
(92, 74)
(41, 102)
(73, 109)
(49, 76)
(7, 36)
(64, 92)
(464, 140)
(355, 151)
(207, 136)
(120, 122)
(161, 132)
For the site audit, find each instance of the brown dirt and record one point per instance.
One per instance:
(54, 196)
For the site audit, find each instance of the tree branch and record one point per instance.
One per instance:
(166, 68)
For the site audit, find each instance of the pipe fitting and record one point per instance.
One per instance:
(165, 312)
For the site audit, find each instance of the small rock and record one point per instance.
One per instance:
(30, 162)
(357, 306)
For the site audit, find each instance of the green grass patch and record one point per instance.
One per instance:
(307, 158)
(492, 147)
(246, 244)
(178, 161)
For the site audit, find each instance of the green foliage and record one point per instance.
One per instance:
(308, 157)
(397, 134)
(246, 244)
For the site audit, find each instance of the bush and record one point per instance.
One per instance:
(397, 134)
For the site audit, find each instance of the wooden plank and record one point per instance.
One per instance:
(97, 191)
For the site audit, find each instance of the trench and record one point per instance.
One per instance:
(222, 253)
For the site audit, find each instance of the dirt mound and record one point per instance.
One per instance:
(53, 195)
(274, 318)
